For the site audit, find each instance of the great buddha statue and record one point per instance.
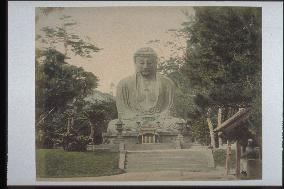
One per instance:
(145, 98)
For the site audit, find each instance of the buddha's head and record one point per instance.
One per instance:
(146, 62)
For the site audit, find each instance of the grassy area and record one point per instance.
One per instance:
(219, 156)
(60, 163)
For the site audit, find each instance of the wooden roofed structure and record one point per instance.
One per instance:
(233, 122)
(228, 129)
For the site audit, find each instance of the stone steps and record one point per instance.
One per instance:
(167, 164)
(176, 157)
(155, 146)
(132, 161)
(170, 159)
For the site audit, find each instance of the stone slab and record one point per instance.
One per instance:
(169, 159)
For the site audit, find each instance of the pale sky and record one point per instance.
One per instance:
(119, 32)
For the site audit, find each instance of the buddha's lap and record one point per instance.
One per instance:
(165, 123)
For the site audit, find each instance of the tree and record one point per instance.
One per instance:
(63, 37)
(59, 85)
(99, 114)
(223, 58)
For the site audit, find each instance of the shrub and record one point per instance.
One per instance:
(72, 142)
(219, 156)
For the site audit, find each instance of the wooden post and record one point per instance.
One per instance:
(238, 158)
(228, 158)
(219, 116)
(219, 123)
(211, 132)
(220, 142)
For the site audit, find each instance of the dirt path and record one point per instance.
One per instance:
(217, 174)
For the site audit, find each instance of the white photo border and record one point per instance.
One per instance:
(21, 91)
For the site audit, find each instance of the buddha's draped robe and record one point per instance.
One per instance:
(137, 98)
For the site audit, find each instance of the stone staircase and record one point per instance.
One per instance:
(154, 146)
(194, 160)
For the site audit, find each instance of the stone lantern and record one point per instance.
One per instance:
(119, 127)
(158, 124)
(181, 124)
(179, 139)
(138, 124)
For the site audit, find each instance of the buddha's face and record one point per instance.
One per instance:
(146, 65)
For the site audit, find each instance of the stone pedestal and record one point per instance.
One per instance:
(122, 156)
(133, 138)
(118, 140)
(179, 141)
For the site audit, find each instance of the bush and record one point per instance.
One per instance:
(72, 142)
(46, 142)
(219, 156)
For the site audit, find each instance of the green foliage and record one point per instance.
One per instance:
(61, 87)
(221, 66)
(64, 89)
(75, 142)
(100, 113)
(224, 54)
(220, 158)
(59, 163)
(57, 82)
(94, 112)
(200, 131)
(223, 61)
(62, 36)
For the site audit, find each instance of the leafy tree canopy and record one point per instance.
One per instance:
(62, 37)
(223, 58)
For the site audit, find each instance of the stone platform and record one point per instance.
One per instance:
(133, 138)
(168, 160)
(165, 157)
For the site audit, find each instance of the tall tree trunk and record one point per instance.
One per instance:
(219, 123)
(210, 125)
(211, 132)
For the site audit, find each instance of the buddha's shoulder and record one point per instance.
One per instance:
(127, 81)
(166, 80)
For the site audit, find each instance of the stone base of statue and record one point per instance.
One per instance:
(145, 131)
(139, 138)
